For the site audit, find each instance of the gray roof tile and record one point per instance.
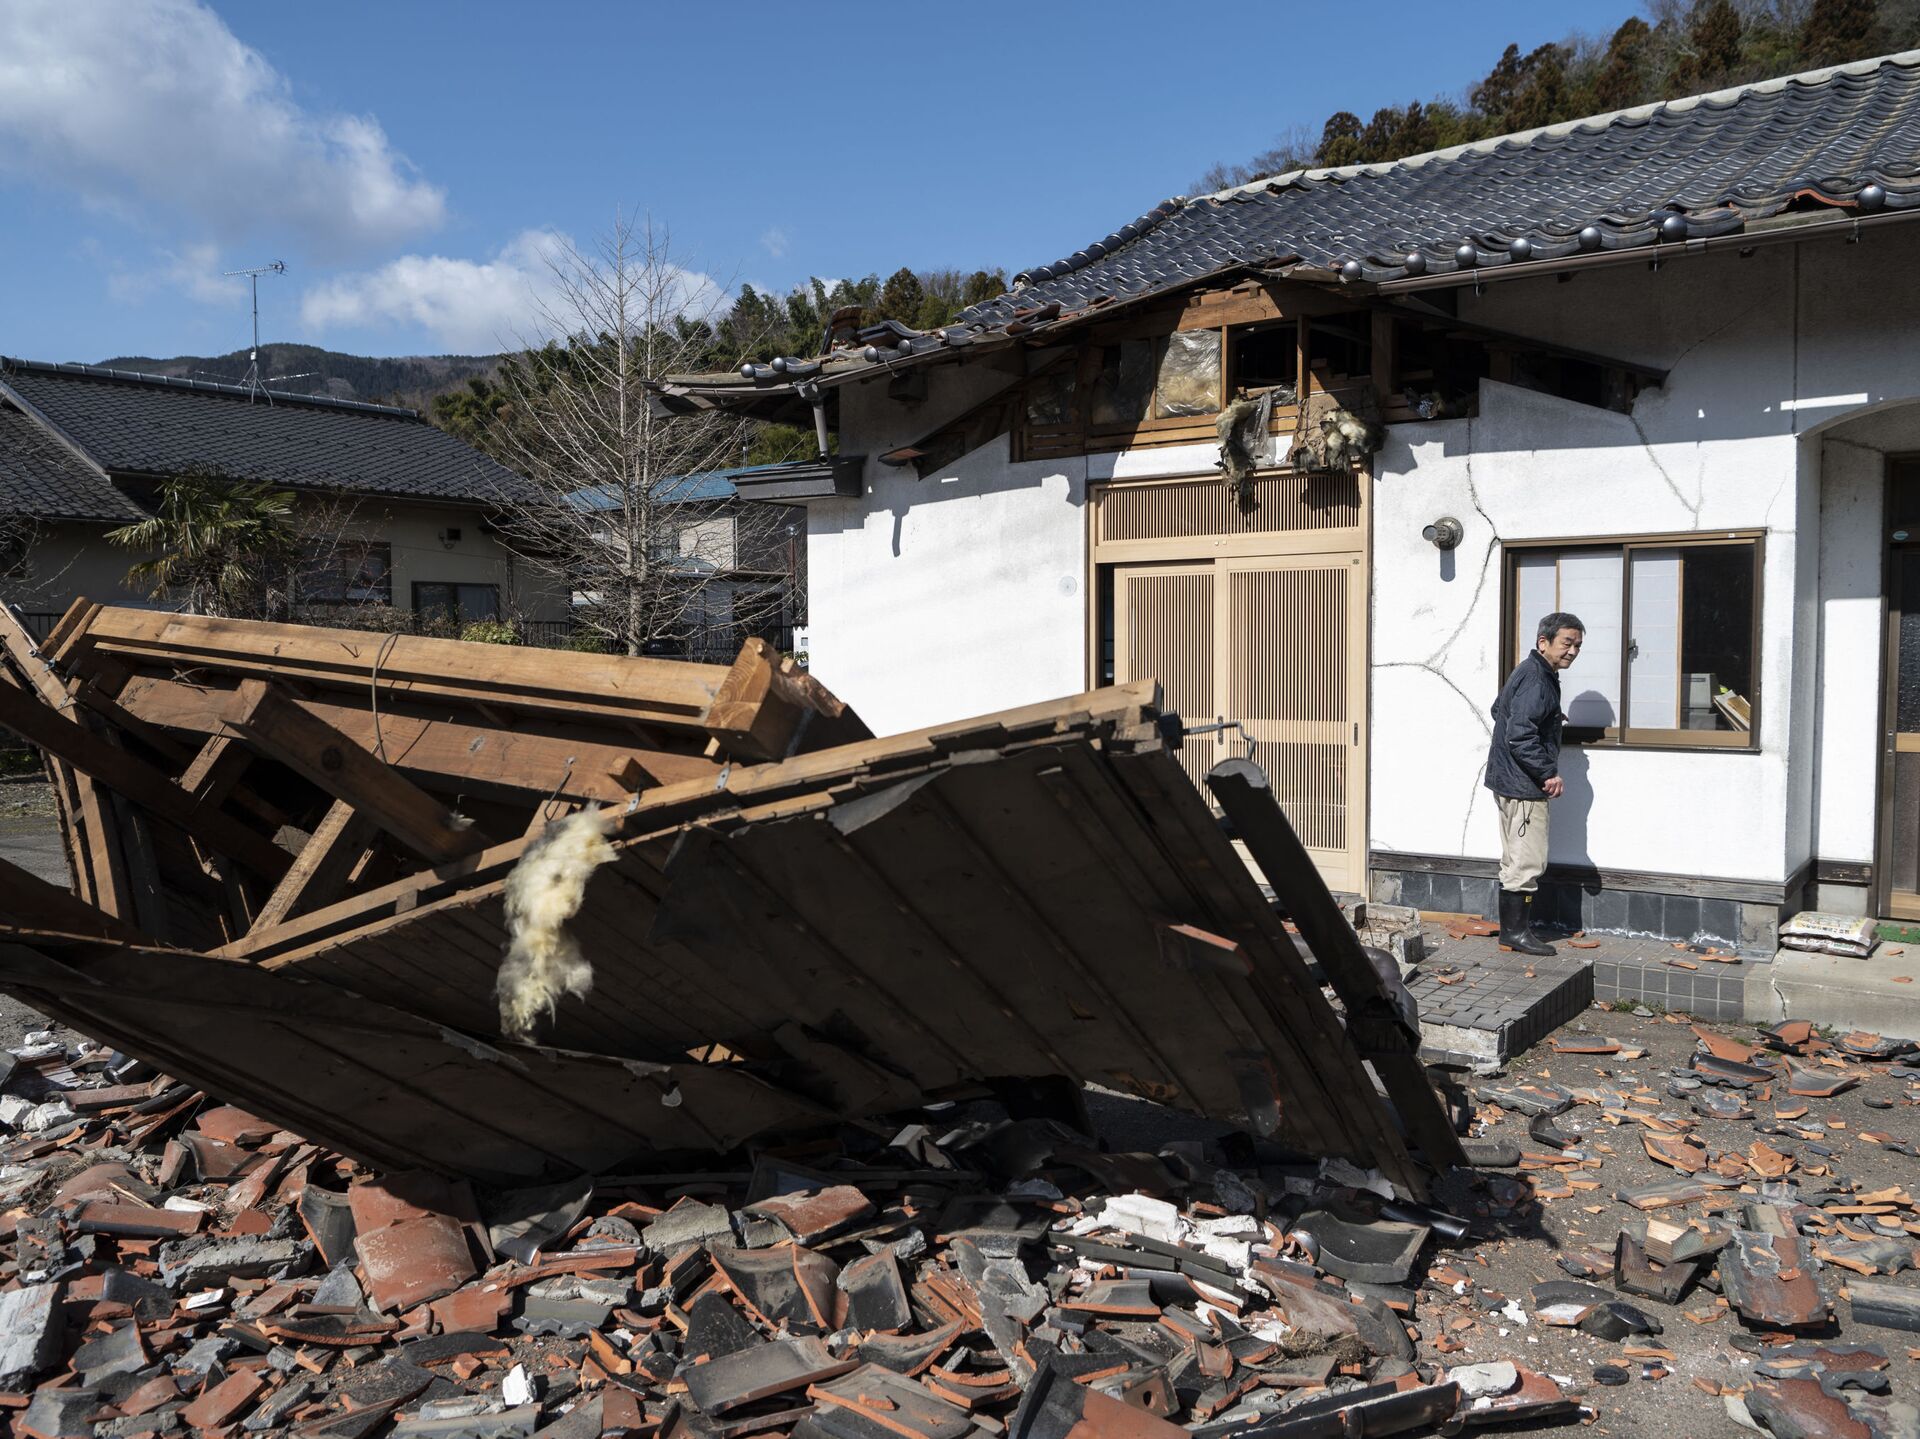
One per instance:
(1848, 136)
(41, 477)
(143, 425)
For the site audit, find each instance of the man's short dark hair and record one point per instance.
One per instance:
(1551, 625)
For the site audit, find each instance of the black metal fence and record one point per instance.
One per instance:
(40, 623)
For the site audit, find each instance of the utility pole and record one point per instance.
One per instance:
(278, 267)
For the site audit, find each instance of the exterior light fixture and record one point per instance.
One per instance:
(1444, 533)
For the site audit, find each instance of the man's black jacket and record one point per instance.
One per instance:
(1525, 753)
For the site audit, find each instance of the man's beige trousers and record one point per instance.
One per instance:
(1523, 842)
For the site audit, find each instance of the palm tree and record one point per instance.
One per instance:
(220, 542)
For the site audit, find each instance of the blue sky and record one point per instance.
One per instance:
(412, 163)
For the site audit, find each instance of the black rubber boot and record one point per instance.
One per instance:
(1526, 913)
(1514, 934)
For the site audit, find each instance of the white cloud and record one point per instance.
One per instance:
(154, 109)
(473, 306)
(774, 241)
(193, 270)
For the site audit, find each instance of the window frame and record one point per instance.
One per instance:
(1625, 735)
(376, 594)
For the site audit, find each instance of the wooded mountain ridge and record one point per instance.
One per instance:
(409, 380)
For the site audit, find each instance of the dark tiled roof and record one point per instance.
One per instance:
(41, 477)
(1683, 169)
(149, 425)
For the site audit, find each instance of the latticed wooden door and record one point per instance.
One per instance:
(1277, 643)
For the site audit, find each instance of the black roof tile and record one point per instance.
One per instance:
(148, 425)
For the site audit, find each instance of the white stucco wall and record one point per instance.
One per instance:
(956, 595)
(964, 592)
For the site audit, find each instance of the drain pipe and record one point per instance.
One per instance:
(810, 392)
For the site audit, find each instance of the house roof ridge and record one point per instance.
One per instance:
(1908, 59)
(10, 364)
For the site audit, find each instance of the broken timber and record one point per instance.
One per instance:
(852, 924)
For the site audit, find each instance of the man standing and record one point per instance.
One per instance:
(1523, 771)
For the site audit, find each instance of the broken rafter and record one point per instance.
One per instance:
(263, 715)
(41, 725)
(321, 868)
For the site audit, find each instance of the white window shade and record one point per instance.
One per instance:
(1654, 641)
(1590, 587)
(1537, 595)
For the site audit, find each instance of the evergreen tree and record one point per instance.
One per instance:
(901, 297)
(1837, 31)
(981, 287)
(1712, 52)
(1340, 139)
(1622, 80)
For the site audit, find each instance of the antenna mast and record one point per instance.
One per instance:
(278, 267)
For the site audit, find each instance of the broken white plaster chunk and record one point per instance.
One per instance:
(1140, 1214)
(517, 1388)
(1231, 1226)
(1234, 1253)
(180, 1204)
(1476, 1380)
(1512, 1310)
(205, 1299)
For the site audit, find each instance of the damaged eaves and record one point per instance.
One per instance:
(772, 922)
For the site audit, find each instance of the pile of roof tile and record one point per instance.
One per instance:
(176, 1264)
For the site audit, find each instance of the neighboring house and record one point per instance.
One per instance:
(1654, 367)
(83, 450)
(743, 565)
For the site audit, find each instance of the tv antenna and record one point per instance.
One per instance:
(252, 382)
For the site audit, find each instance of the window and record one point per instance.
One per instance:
(355, 572)
(1672, 653)
(447, 602)
(1173, 379)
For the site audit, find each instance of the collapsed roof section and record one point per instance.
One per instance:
(774, 936)
(1665, 177)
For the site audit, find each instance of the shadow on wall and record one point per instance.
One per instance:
(1568, 816)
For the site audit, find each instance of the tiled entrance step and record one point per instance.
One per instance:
(1479, 1008)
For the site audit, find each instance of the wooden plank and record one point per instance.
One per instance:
(263, 714)
(91, 754)
(767, 707)
(1387, 1040)
(669, 693)
(438, 751)
(320, 870)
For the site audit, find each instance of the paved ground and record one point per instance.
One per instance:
(29, 838)
(1515, 1250)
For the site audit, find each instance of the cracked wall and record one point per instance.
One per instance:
(1763, 354)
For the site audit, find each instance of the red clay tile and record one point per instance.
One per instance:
(224, 1402)
(415, 1260)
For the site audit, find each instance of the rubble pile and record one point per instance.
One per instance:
(179, 1265)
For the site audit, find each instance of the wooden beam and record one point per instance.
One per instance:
(321, 868)
(270, 720)
(1375, 1020)
(39, 724)
(769, 708)
(669, 693)
(28, 902)
(443, 753)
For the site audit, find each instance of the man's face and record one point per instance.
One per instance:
(1563, 649)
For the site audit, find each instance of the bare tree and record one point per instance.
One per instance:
(625, 507)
